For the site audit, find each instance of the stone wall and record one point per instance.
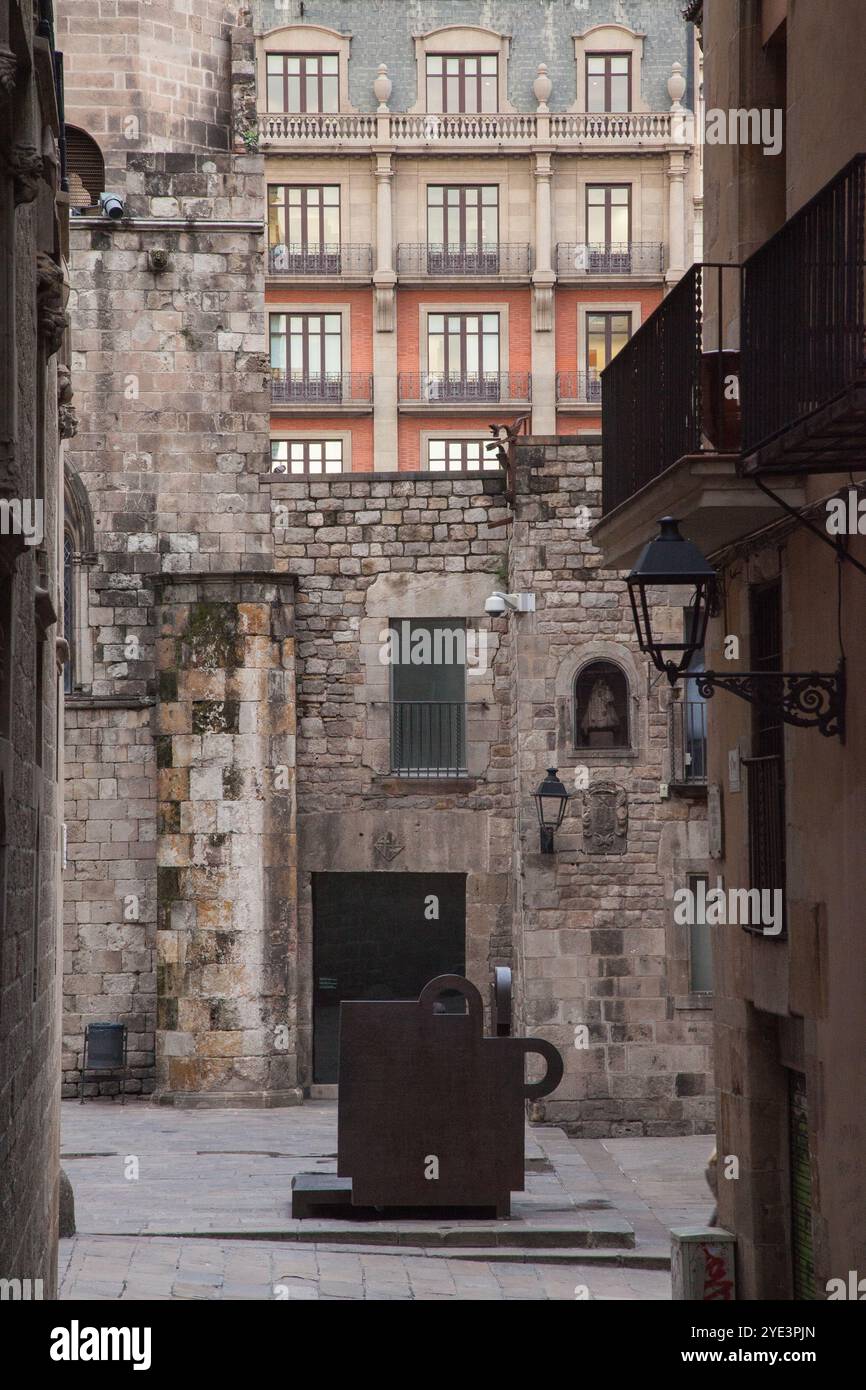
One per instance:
(366, 551)
(32, 324)
(598, 945)
(169, 371)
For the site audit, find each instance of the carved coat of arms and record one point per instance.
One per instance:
(387, 846)
(605, 819)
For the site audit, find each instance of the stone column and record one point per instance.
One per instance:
(676, 175)
(384, 325)
(543, 281)
(226, 851)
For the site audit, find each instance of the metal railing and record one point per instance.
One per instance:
(688, 734)
(428, 738)
(673, 389)
(766, 821)
(581, 388)
(331, 388)
(440, 387)
(344, 258)
(804, 318)
(565, 130)
(617, 258)
(448, 259)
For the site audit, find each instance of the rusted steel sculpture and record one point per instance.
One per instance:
(431, 1112)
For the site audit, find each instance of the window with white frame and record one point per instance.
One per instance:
(462, 82)
(452, 455)
(303, 82)
(306, 457)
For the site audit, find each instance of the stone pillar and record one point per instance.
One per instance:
(676, 174)
(384, 325)
(226, 852)
(543, 281)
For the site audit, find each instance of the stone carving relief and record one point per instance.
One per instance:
(387, 846)
(605, 819)
(53, 321)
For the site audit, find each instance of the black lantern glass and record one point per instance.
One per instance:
(671, 561)
(550, 802)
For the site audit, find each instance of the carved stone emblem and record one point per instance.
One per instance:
(27, 170)
(53, 322)
(8, 70)
(605, 819)
(388, 846)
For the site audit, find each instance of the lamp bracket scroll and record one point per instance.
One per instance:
(806, 699)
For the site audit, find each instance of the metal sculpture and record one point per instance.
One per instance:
(431, 1112)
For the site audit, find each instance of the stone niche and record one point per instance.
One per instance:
(226, 853)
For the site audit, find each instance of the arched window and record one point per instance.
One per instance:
(85, 168)
(78, 554)
(601, 707)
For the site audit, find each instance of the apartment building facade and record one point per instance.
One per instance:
(762, 470)
(269, 810)
(465, 210)
(36, 417)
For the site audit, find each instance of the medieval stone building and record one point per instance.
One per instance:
(35, 414)
(272, 804)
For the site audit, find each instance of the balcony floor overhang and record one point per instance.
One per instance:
(715, 505)
(831, 439)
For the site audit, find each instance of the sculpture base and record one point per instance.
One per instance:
(325, 1197)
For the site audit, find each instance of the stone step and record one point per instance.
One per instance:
(610, 1233)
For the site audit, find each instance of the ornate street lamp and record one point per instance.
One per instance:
(550, 802)
(806, 699)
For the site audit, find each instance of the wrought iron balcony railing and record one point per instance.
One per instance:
(617, 258)
(578, 388)
(804, 325)
(673, 390)
(450, 259)
(332, 259)
(566, 130)
(330, 388)
(428, 738)
(416, 388)
(688, 735)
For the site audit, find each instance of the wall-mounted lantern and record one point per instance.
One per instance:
(550, 803)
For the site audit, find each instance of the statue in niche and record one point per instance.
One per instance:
(600, 723)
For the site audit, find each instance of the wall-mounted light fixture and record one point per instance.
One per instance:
(806, 699)
(551, 800)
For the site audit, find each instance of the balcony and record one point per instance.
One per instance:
(688, 743)
(671, 425)
(339, 261)
(417, 260)
(582, 260)
(428, 738)
(472, 390)
(578, 389)
(804, 336)
(347, 392)
(457, 133)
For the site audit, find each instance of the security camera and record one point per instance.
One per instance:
(111, 205)
(510, 603)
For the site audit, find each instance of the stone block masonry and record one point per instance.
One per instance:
(598, 947)
(226, 940)
(170, 368)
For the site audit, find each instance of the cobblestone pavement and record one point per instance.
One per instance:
(150, 1183)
